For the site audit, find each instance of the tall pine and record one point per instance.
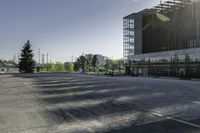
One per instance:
(94, 62)
(27, 63)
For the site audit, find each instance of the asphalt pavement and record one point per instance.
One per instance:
(73, 103)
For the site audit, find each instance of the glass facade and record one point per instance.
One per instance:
(154, 39)
(180, 31)
(167, 59)
(128, 37)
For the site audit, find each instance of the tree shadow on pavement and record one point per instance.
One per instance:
(119, 107)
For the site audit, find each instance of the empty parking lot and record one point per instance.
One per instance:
(72, 103)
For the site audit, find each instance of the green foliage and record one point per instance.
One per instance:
(89, 61)
(114, 65)
(120, 65)
(94, 63)
(81, 63)
(59, 67)
(56, 67)
(27, 62)
(91, 64)
(85, 68)
(76, 66)
(108, 65)
(49, 67)
(69, 67)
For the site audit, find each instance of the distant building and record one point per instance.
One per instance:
(8, 67)
(101, 59)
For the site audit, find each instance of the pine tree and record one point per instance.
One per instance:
(89, 62)
(81, 63)
(94, 62)
(27, 63)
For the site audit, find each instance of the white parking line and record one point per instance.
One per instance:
(197, 102)
(154, 113)
(168, 117)
(184, 122)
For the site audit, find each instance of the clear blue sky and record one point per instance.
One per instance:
(65, 27)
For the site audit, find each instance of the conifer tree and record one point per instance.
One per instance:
(94, 62)
(27, 63)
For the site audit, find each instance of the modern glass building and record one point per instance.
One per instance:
(158, 35)
(128, 36)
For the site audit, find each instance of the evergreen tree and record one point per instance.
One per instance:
(94, 62)
(81, 62)
(89, 62)
(27, 63)
(76, 66)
